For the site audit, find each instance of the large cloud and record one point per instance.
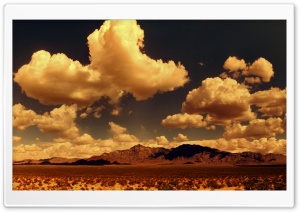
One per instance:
(117, 66)
(257, 128)
(222, 100)
(60, 121)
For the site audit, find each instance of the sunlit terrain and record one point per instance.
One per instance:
(157, 177)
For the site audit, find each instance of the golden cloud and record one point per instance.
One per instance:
(180, 137)
(252, 80)
(261, 68)
(223, 100)
(234, 64)
(257, 128)
(117, 66)
(272, 101)
(183, 121)
(16, 139)
(60, 121)
(23, 118)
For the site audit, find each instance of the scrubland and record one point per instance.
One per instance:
(184, 177)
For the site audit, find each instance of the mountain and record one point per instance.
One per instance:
(184, 154)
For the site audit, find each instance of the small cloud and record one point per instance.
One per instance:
(183, 121)
(16, 139)
(233, 64)
(116, 111)
(223, 75)
(88, 111)
(252, 80)
(180, 137)
(201, 63)
(261, 68)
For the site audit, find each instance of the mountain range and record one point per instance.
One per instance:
(184, 154)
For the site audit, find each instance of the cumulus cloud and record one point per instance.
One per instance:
(256, 129)
(234, 64)
(180, 137)
(223, 100)
(23, 118)
(183, 121)
(60, 121)
(116, 129)
(16, 139)
(162, 140)
(262, 68)
(26, 148)
(272, 102)
(119, 134)
(117, 66)
(84, 139)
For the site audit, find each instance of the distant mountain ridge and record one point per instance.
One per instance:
(184, 154)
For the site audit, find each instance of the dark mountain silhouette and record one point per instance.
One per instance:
(184, 154)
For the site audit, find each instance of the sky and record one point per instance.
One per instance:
(85, 87)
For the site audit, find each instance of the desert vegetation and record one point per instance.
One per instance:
(184, 177)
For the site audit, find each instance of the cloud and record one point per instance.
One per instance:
(223, 100)
(23, 118)
(180, 137)
(85, 114)
(261, 145)
(183, 121)
(116, 129)
(261, 68)
(162, 140)
(201, 63)
(71, 150)
(256, 129)
(252, 80)
(117, 66)
(16, 139)
(233, 64)
(84, 139)
(26, 148)
(272, 102)
(116, 111)
(119, 134)
(60, 121)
